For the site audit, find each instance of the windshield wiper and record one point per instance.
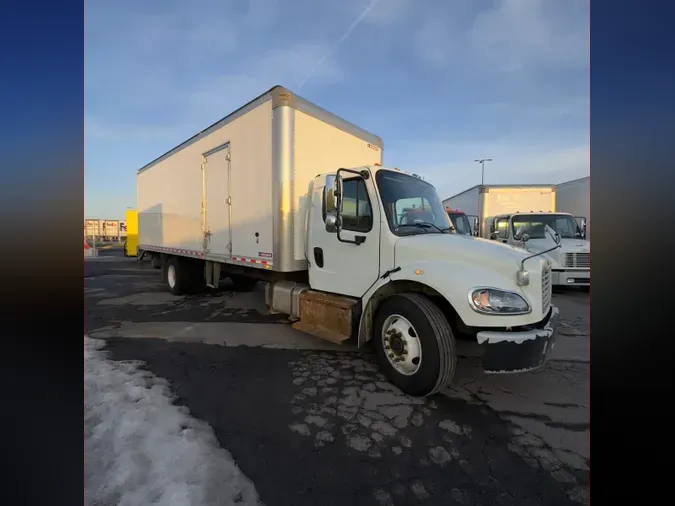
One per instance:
(422, 224)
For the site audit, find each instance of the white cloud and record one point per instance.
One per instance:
(388, 12)
(222, 94)
(261, 13)
(518, 34)
(513, 35)
(217, 95)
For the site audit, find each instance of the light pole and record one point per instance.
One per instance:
(482, 168)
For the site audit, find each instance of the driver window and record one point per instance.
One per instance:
(356, 214)
(502, 228)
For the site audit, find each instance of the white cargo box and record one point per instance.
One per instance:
(237, 191)
(573, 197)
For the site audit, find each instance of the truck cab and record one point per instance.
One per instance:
(384, 267)
(570, 263)
(461, 223)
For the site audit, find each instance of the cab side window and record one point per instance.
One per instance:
(357, 215)
(502, 228)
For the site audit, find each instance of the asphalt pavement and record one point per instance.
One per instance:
(310, 422)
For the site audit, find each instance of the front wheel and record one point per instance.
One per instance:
(414, 344)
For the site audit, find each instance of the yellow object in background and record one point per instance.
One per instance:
(132, 234)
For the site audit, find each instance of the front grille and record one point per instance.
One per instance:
(546, 289)
(578, 260)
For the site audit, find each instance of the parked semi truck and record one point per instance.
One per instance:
(573, 197)
(518, 215)
(284, 192)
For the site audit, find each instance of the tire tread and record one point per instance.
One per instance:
(443, 335)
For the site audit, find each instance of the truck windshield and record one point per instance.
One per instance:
(461, 223)
(411, 204)
(534, 225)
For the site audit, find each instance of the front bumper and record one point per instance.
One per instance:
(571, 278)
(514, 352)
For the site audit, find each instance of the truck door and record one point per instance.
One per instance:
(339, 267)
(500, 229)
(216, 202)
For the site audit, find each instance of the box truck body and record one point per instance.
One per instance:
(574, 197)
(102, 230)
(504, 210)
(284, 192)
(237, 192)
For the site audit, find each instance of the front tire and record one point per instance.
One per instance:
(414, 344)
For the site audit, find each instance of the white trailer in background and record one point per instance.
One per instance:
(511, 213)
(574, 197)
(287, 193)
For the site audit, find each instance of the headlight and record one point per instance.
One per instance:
(497, 302)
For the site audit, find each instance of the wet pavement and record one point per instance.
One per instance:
(310, 422)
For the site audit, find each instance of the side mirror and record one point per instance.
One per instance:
(331, 199)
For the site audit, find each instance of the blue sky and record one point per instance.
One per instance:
(443, 82)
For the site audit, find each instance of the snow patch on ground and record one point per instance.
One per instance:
(140, 449)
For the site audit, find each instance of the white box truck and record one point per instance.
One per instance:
(573, 197)
(287, 193)
(518, 215)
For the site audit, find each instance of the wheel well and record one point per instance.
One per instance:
(403, 286)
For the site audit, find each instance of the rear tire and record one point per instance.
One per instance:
(431, 338)
(243, 283)
(175, 276)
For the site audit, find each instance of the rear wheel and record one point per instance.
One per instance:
(414, 344)
(175, 276)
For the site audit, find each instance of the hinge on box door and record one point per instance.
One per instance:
(229, 247)
(229, 201)
(228, 157)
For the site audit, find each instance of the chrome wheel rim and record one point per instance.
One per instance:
(401, 345)
(171, 276)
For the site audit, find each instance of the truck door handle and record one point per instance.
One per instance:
(318, 257)
(359, 239)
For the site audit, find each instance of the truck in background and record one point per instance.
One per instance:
(462, 223)
(131, 229)
(104, 230)
(574, 197)
(518, 215)
(284, 192)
